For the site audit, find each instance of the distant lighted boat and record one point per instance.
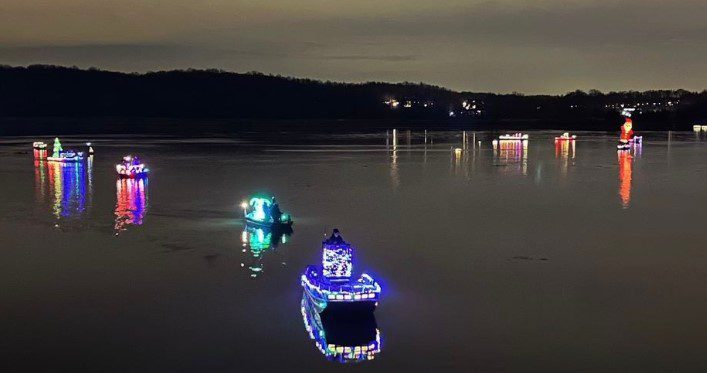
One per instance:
(265, 212)
(514, 137)
(348, 340)
(131, 167)
(332, 288)
(704, 128)
(623, 147)
(697, 128)
(39, 145)
(566, 137)
(61, 155)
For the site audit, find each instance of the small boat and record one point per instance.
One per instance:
(332, 287)
(342, 340)
(131, 167)
(61, 155)
(514, 137)
(264, 212)
(566, 137)
(623, 146)
(697, 128)
(39, 145)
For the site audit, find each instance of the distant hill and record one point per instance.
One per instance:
(42, 91)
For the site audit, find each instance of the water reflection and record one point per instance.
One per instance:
(349, 339)
(67, 187)
(625, 174)
(394, 172)
(565, 151)
(257, 241)
(131, 203)
(512, 152)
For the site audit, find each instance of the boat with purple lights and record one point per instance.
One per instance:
(131, 168)
(332, 287)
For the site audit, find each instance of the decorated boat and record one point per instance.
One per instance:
(514, 137)
(627, 138)
(566, 137)
(131, 167)
(265, 212)
(332, 286)
(342, 340)
(61, 155)
(39, 145)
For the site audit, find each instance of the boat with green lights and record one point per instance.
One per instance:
(265, 212)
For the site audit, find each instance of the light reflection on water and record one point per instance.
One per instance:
(131, 202)
(503, 256)
(257, 242)
(345, 340)
(68, 185)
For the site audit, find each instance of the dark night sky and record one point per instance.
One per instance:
(547, 46)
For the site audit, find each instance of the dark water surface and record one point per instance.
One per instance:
(547, 258)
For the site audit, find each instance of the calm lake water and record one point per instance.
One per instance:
(556, 258)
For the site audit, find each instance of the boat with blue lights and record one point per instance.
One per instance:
(131, 167)
(266, 213)
(332, 287)
(61, 155)
(342, 340)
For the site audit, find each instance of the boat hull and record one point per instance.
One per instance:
(132, 176)
(268, 225)
(64, 160)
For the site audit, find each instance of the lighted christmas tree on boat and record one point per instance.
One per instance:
(332, 287)
(61, 155)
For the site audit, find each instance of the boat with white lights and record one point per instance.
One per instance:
(265, 212)
(131, 167)
(332, 286)
(347, 340)
(566, 137)
(514, 137)
(39, 145)
(61, 155)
